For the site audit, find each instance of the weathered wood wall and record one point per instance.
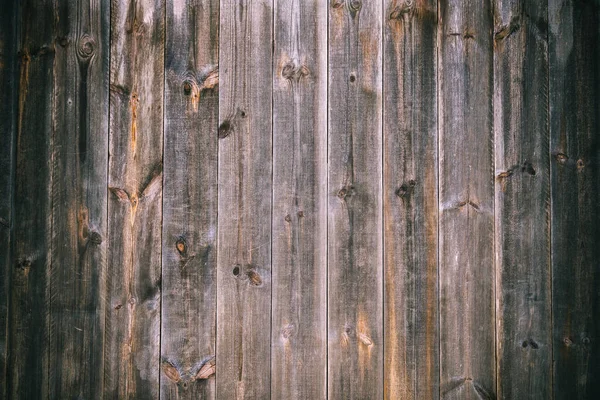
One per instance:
(293, 199)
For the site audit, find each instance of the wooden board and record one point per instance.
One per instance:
(355, 243)
(27, 372)
(574, 47)
(8, 113)
(79, 199)
(135, 200)
(466, 201)
(245, 183)
(189, 237)
(299, 309)
(410, 189)
(522, 170)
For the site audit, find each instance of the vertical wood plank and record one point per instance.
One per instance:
(522, 200)
(8, 114)
(466, 230)
(79, 199)
(299, 331)
(410, 188)
(135, 199)
(27, 375)
(190, 200)
(245, 183)
(574, 47)
(355, 268)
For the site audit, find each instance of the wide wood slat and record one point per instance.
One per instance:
(135, 200)
(189, 238)
(410, 212)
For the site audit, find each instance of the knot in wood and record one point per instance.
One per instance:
(399, 11)
(294, 72)
(288, 331)
(561, 158)
(95, 238)
(336, 3)
(225, 129)
(87, 47)
(355, 5)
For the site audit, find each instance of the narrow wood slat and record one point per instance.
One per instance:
(190, 199)
(79, 199)
(466, 200)
(410, 188)
(8, 137)
(355, 269)
(574, 48)
(299, 331)
(523, 341)
(135, 199)
(245, 183)
(27, 372)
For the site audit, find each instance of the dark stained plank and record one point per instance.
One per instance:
(189, 236)
(574, 48)
(27, 371)
(135, 200)
(79, 199)
(521, 139)
(466, 197)
(355, 243)
(8, 134)
(245, 165)
(299, 331)
(410, 189)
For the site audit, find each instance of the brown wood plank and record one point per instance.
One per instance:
(410, 188)
(245, 183)
(574, 48)
(79, 199)
(135, 200)
(522, 198)
(355, 269)
(8, 137)
(189, 234)
(27, 372)
(466, 197)
(299, 331)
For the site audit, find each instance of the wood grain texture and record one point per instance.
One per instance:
(299, 309)
(574, 47)
(521, 139)
(466, 230)
(27, 371)
(355, 244)
(245, 183)
(135, 199)
(410, 188)
(79, 199)
(189, 238)
(8, 135)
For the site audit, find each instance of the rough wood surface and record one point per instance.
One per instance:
(410, 210)
(522, 171)
(8, 135)
(574, 47)
(135, 200)
(189, 238)
(299, 331)
(245, 183)
(27, 372)
(466, 201)
(79, 199)
(355, 268)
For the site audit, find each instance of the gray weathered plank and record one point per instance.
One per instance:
(135, 200)
(189, 235)
(299, 331)
(8, 113)
(574, 48)
(522, 201)
(466, 197)
(410, 211)
(27, 371)
(355, 269)
(79, 199)
(245, 164)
